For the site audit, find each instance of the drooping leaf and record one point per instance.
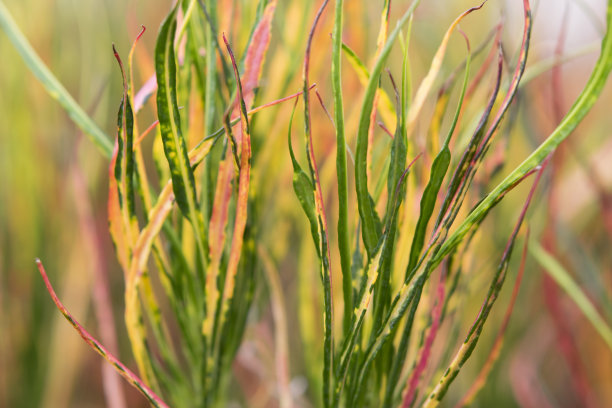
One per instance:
(385, 105)
(577, 112)
(436, 64)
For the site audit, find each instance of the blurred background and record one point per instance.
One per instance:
(53, 192)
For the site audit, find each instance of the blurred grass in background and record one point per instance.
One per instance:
(54, 189)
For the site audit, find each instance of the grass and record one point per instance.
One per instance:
(217, 257)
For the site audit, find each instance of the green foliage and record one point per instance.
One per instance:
(198, 214)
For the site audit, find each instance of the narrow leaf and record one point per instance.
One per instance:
(370, 228)
(175, 147)
(125, 372)
(53, 87)
(577, 112)
(556, 271)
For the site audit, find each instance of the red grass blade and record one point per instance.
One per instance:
(125, 372)
(256, 54)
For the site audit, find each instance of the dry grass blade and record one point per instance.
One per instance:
(434, 69)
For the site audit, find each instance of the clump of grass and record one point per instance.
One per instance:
(366, 369)
(189, 239)
(196, 246)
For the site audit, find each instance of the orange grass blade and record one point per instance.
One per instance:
(243, 195)
(247, 84)
(256, 54)
(217, 235)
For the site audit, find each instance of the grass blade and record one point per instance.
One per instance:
(243, 193)
(319, 209)
(124, 227)
(53, 87)
(556, 271)
(175, 147)
(256, 53)
(341, 169)
(125, 372)
(439, 168)
(371, 277)
(577, 112)
(499, 339)
(428, 201)
(434, 69)
(226, 298)
(304, 190)
(385, 106)
(467, 347)
(370, 226)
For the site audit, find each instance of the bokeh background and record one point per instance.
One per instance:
(53, 189)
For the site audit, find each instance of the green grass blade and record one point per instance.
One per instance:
(53, 87)
(556, 271)
(343, 198)
(381, 259)
(356, 63)
(324, 252)
(428, 201)
(370, 226)
(125, 165)
(183, 180)
(384, 104)
(396, 193)
(169, 119)
(175, 148)
(304, 189)
(436, 177)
